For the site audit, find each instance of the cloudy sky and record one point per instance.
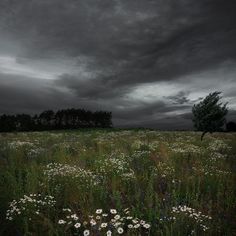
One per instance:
(147, 61)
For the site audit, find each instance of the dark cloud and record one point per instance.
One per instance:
(147, 110)
(98, 88)
(133, 34)
(20, 94)
(179, 98)
(115, 46)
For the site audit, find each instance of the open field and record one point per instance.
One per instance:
(105, 182)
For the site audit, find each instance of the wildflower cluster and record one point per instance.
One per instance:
(197, 216)
(74, 172)
(102, 223)
(165, 219)
(141, 153)
(117, 165)
(30, 206)
(210, 170)
(18, 144)
(35, 152)
(137, 144)
(217, 157)
(164, 169)
(218, 146)
(154, 145)
(185, 149)
(218, 153)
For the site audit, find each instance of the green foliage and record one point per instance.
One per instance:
(169, 180)
(209, 114)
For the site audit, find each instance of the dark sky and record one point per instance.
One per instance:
(147, 61)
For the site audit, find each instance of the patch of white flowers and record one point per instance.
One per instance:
(103, 223)
(164, 170)
(154, 145)
(117, 164)
(54, 170)
(197, 216)
(30, 206)
(209, 170)
(218, 146)
(185, 149)
(18, 144)
(137, 144)
(139, 154)
(35, 152)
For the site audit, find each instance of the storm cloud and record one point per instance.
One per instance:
(146, 61)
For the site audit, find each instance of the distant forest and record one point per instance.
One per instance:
(50, 120)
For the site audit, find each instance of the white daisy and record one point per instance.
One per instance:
(74, 216)
(117, 217)
(136, 226)
(98, 211)
(113, 211)
(77, 225)
(103, 225)
(61, 222)
(109, 233)
(120, 230)
(93, 222)
(146, 226)
(86, 232)
(142, 222)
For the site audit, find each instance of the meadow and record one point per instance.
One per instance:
(117, 182)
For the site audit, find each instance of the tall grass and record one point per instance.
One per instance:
(172, 181)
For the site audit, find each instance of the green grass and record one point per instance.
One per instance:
(171, 180)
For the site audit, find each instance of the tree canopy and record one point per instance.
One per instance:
(209, 114)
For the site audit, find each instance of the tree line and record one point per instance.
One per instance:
(50, 120)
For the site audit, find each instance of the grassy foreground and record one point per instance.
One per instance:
(117, 183)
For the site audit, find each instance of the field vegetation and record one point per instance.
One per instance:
(117, 182)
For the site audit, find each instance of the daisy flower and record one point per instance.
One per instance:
(86, 232)
(120, 230)
(113, 211)
(77, 225)
(98, 211)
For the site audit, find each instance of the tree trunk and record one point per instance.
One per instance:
(203, 134)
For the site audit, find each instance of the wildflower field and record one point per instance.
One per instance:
(117, 182)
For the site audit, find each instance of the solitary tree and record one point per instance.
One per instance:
(209, 114)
